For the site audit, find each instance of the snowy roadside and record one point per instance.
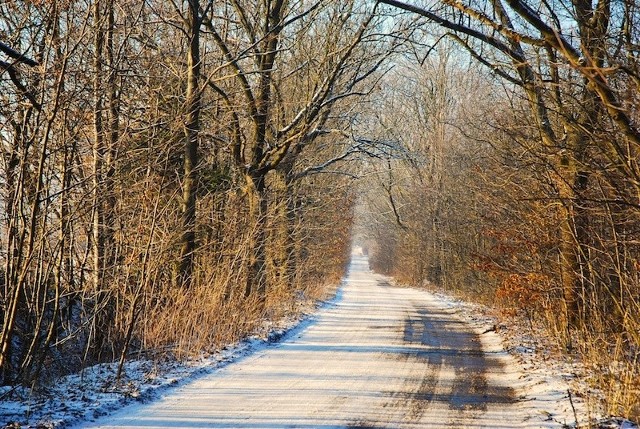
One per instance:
(549, 384)
(543, 380)
(92, 393)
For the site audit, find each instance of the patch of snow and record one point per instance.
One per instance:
(94, 391)
(616, 423)
(551, 385)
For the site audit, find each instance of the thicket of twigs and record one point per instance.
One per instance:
(479, 209)
(173, 173)
(527, 192)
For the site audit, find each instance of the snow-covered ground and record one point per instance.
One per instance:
(550, 381)
(92, 393)
(541, 383)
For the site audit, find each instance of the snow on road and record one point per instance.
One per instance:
(379, 357)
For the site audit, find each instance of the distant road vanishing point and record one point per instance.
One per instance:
(379, 357)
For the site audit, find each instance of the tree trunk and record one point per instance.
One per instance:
(98, 149)
(190, 164)
(11, 293)
(292, 218)
(113, 135)
(256, 285)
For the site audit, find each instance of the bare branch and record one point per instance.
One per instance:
(17, 55)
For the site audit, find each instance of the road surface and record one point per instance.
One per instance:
(379, 357)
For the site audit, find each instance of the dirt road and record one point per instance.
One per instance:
(380, 357)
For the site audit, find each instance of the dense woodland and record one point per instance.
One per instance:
(175, 172)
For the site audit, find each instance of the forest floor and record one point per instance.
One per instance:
(375, 356)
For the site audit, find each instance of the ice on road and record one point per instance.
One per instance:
(379, 357)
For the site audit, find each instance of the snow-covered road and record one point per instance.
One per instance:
(379, 357)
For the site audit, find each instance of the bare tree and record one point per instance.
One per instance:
(281, 124)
